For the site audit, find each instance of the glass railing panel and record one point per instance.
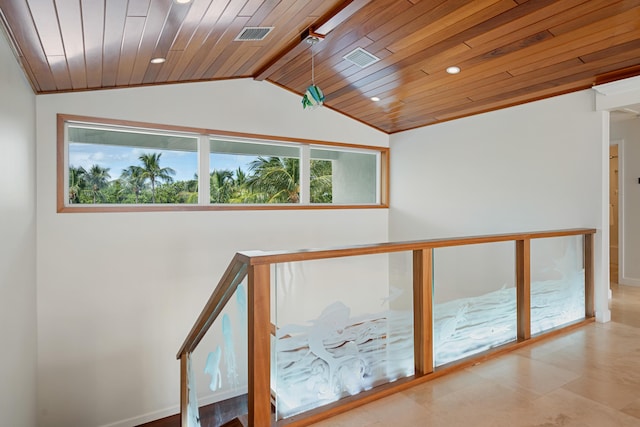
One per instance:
(474, 299)
(557, 282)
(343, 326)
(218, 368)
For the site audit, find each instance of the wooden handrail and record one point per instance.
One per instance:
(232, 277)
(273, 257)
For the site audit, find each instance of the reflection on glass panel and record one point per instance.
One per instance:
(343, 176)
(218, 366)
(474, 299)
(343, 326)
(117, 165)
(244, 172)
(557, 282)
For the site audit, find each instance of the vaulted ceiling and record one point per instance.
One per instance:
(509, 51)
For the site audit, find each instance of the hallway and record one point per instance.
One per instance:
(587, 377)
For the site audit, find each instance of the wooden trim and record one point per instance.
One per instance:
(272, 257)
(259, 354)
(232, 277)
(60, 164)
(385, 181)
(197, 208)
(423, 311)
(184, 389)
(523, 288)
(62, 207)
(589, 297)
(616, 75)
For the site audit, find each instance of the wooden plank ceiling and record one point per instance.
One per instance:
(509, 51)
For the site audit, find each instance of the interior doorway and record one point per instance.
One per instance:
(613, 213)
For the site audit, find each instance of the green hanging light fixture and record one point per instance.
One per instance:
(313, 97)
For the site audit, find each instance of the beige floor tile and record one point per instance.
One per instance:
(633, 409)
(606, 392)
(564, 408)
(518, 372)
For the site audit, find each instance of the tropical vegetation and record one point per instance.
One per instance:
(267, 180)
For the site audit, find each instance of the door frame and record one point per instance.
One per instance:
(621, 216)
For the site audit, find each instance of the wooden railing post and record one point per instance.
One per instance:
(589, 305)
(423, 311)
(259, 328)
(184, 389)
(523, 288)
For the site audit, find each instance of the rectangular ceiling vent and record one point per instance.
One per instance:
(253, 33)
(361, 57)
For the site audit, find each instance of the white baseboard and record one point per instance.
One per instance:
(603, 316)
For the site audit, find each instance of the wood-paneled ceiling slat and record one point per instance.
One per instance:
(200, 44)
(133, 28)
(510, 51)
(70, 22)
(46, 21)
(115, 14)
(93, 37)
(230, 27)
(154, 26)
(28, 40)
(162, 49)
(219, 54)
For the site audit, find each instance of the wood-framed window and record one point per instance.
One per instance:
(115, 165)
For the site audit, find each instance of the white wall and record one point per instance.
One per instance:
(629, 154)
(538, 166)
(17, 245)
(118, 292)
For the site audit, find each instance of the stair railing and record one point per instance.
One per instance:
(256, 265)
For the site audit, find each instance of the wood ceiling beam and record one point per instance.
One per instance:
(324, 26)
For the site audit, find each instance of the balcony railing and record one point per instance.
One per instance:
(312, 333)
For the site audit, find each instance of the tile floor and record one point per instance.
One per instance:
(588, 377)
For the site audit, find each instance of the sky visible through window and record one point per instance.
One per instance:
(118, 158)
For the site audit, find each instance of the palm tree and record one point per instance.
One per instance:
(133, 178)
(76, 183)
(188, 190)
(152, 171)
(222, 184)
(96, 178)
(276, 180)
(321, 181)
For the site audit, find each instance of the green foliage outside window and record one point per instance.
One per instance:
(268, 180)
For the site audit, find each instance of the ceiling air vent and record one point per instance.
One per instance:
(253, 33)
(361, 57)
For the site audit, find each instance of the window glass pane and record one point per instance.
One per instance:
(343, 176)
(130, 166)
(244, 172)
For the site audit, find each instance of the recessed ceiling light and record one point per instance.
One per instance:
(453, 70)
(157, 60)
(183, 1)
(375, 99)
